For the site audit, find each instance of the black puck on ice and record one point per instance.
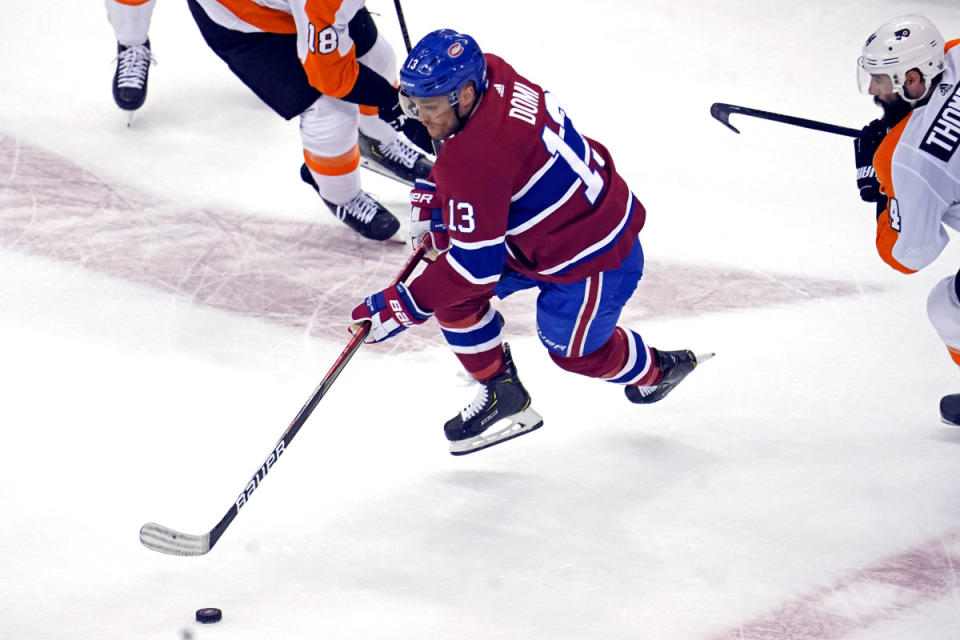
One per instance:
(209, 615)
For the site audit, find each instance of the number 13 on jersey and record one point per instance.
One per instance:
(461, 217)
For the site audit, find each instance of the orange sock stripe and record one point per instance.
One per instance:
(955, 354)
(132, 3)
(367, 110)
(263, 18)
(337, 166)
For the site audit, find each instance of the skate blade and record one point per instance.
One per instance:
(703, 357)
(128, 117)
(376, 168)
(510, 427)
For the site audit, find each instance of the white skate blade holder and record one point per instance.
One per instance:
(504, 429)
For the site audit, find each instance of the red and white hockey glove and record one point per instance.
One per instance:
(389, 311)
(426, 219)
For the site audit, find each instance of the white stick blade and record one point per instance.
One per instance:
(165, 540)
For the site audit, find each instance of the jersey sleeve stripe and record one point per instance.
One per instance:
(520, 222)
(480, 244)
(597, 247)
(488, 274)
(534, 179)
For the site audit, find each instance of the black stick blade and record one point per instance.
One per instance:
(721, 112)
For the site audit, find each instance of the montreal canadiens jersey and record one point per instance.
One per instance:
(918, 167)
(521, 188)
(323, 37)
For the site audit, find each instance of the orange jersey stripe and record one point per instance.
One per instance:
(955, 354)
(337, 166)
(888, 226)
(367, 110)
(951, 44)
(132, 3)
(263, 18)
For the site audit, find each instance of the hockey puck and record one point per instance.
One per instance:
(209, 615)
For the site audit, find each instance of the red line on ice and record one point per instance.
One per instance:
(303, 275)
(882, 591)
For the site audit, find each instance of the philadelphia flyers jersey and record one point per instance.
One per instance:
(522, 189)
(323, 39)
(918, 167)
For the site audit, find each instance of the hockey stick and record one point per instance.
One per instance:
(166, 540)
(403, 25)
(722, 112)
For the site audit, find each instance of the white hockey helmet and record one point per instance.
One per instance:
(904, 43)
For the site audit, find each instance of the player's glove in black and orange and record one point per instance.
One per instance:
(864, 148)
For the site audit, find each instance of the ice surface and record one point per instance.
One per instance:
(171, 294)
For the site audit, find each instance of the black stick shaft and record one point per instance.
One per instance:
(355, 341)
(722, 112)
(403, 25)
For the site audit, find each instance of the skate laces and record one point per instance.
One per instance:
(362, 207)
(399, 151)
(477, 405)
(133, 64)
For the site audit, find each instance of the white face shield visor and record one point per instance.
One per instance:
(414, 107)
(865, 78)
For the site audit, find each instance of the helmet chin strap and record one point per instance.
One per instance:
(902, 91)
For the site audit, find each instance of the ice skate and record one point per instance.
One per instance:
(130, 78)
(399, 160)
(675, 366)
(363, 213)
(950, 409)
(501, 411)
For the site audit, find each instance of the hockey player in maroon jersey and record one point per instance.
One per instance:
(517, 198)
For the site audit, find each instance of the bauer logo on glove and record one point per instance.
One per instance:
(389, 312)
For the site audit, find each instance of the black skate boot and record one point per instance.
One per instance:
(950, 409)
(675, 366)
(130, 79)
(363, 213)
(399, 160)
(500, 411)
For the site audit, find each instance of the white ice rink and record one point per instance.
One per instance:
(171, 294)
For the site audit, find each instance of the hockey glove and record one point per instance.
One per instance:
(389, 312)
(864, 148)
(426, 219)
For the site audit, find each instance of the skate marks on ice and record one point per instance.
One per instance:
(884, 591)
(302, 275)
